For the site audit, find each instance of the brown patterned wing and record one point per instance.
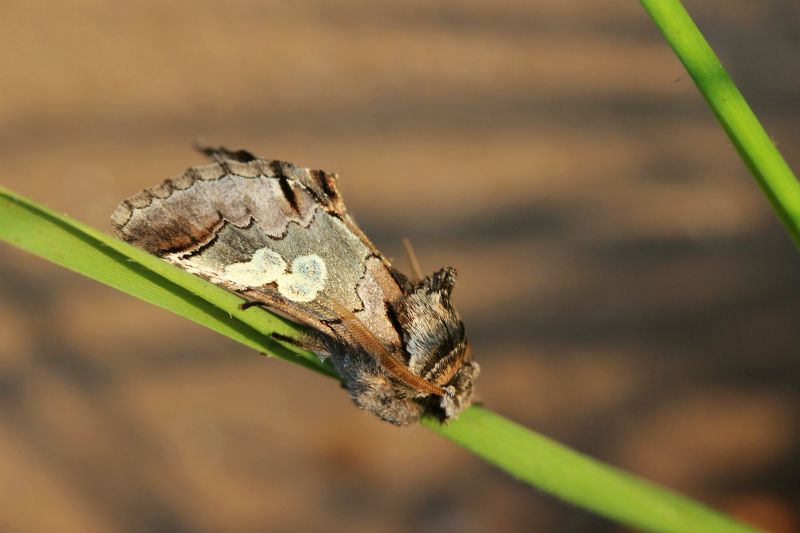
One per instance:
(275, 233)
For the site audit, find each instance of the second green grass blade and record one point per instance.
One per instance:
(751, 141)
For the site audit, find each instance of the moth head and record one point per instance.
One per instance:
(458, 393)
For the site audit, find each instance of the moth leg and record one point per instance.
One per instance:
(252, 303)
(411, 256)
(310, 343)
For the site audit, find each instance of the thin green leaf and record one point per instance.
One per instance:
(522, 453)
(579, 479)
(751, 141)
(87, 251)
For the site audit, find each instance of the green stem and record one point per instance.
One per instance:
(745, 131)
(579, 479)
(527, 456)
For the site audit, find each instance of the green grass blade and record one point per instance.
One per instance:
(89, 252)
(521, 452)
(579, 479)
(748, 136)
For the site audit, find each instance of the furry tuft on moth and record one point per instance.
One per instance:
(281, 237)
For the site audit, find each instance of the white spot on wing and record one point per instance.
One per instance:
(302, 284)
(306, 279)
(265, 267)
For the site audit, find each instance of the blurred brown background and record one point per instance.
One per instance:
(627, 287)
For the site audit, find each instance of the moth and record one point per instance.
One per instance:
(281, 237)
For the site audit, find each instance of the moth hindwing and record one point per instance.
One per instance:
(280, 236)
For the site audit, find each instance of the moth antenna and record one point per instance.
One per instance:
(416, 271)
(373, 346)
